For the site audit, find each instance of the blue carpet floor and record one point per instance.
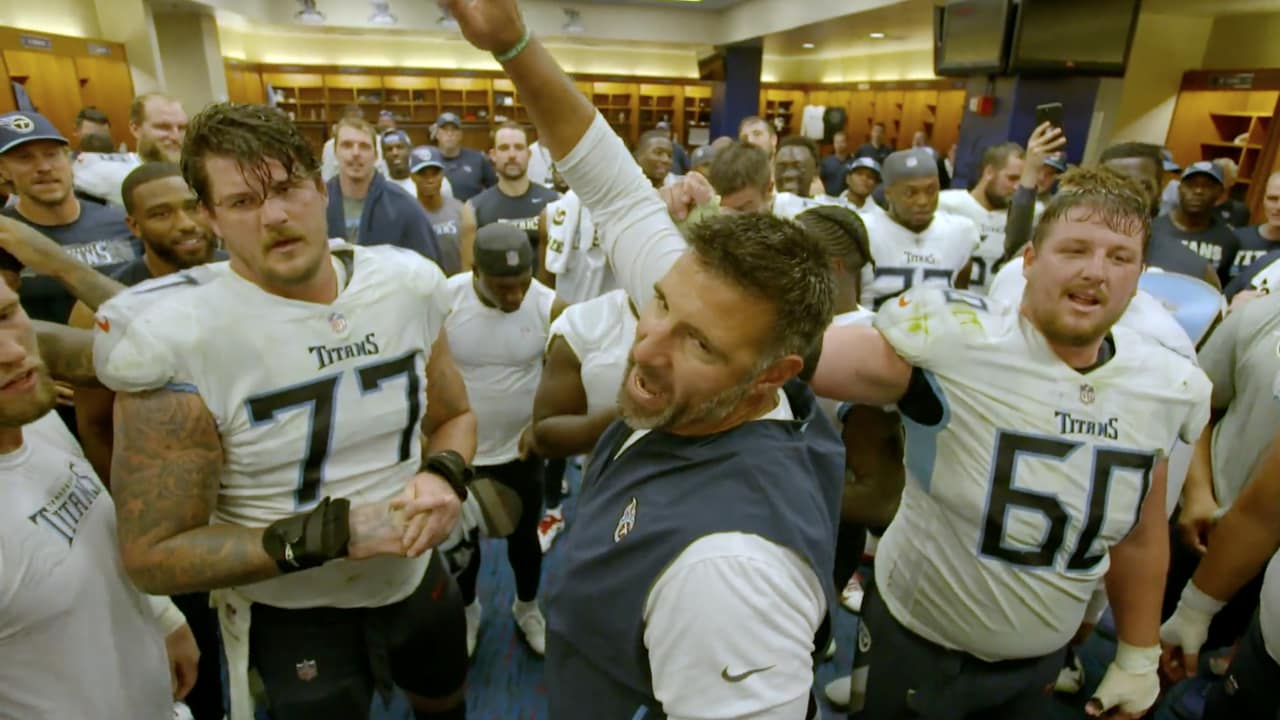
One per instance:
(506, 680)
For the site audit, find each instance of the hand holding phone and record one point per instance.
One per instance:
(1049, 113)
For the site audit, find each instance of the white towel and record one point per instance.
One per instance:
(574, 254)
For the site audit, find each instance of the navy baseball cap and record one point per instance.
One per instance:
(863, 162)
(423, 157)
(1204, 167)
(21, 127)
(448, 119)
(1057, 162)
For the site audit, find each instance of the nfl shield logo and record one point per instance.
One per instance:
(338, 323)
(1087, 395)
(307, 670)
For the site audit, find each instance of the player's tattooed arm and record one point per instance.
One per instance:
(46, 257)
(164, 471)
(449, 423)
(67, 351)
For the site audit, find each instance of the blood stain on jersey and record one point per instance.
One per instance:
(627, 522)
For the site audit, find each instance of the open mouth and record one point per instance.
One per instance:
(24, 381)
(643, 390)
(1085, 301)
(286, 244)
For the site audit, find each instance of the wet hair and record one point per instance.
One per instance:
(1109, 198)
(738, 166)
(777, 261)
(142, 175)
(250, 135)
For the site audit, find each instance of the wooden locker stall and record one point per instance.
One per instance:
(63, 74)
(918, 108)
(107, 84)
(52, 83)
(948, 113)
(861, 113)
(244, 85)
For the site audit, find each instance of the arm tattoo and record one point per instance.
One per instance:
(88, 285)
(67, 351)
(165, 472)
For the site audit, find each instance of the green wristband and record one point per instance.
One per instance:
(519, 48)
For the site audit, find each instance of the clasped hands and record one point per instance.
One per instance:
(420, 518)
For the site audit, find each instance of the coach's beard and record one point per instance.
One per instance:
(707, 412)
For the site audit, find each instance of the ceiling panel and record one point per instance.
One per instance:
(906, 26)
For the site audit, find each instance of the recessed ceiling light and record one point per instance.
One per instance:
(808, 46)
(877, 35)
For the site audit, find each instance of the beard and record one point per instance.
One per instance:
(709, 411)
(36, 405)
(167, 253)
(996, 201)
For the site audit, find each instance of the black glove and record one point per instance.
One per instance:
(309, 539)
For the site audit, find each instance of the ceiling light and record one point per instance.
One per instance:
(309, 15)
(573, 22)
(382, 13)
(808, 46)
(877, 35)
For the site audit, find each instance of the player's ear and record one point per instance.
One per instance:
(1028, 257)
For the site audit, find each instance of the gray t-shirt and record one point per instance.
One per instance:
(352, 210)
(99, 238)
(1242, 359)
(447, 223)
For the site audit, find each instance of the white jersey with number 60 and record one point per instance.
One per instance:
(1022, 471)
(310, 400)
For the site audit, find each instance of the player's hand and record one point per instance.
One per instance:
(1196, 519)
(430, 509)
(1182, 636)
(374, 530)
(495, 26)
(184, 660)
(1131, 685)
(686, 194)
(1045, 140)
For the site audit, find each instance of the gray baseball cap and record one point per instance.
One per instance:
(910, 164)
(502, 249)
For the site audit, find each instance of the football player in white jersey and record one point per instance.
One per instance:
(268, 446)
(1036, 444)
(861, 176)
(914, 244)
(577, 395)
(987, 205)
(498, 320)
(795, 169)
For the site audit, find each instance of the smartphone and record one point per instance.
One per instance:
(1049, 113)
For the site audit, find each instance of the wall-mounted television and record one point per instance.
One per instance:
(971, 37)
(1073, 37)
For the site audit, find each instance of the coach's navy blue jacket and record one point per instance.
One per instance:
(391, 217)
(637, 512)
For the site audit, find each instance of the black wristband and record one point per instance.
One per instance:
(310, 539)
(449, 465)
